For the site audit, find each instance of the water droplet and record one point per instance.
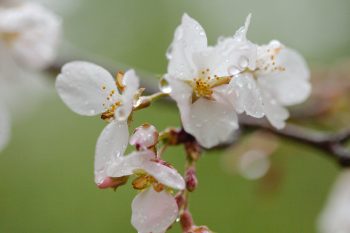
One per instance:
(243, 62)
(233, 70)
(164, 86)
(169, 52)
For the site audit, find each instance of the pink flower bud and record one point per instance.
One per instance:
(191, 179)
(144, 137)
(110, 182)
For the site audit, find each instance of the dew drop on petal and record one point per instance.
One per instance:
(169, 52)
(233, 70)
(243, 62)
(164, 86)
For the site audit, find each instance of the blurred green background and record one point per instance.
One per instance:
(46, 172)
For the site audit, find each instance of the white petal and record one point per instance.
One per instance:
(241, 33)
(165, 175)
(39, 33)
(189, 38)
(247, 95)
(237, 52)
(110, 145)
(210, 122)
(5, 127)
(127, 165)
(153, 212)
(291, 86)
(84, 88)
(275, 113)
(335, 217)
(131, 83)
(144, 160)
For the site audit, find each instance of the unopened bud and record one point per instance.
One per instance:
(193, 150)
(111, 182)
(191, 179)
(186, 221)
(180, 200)
(144, 137)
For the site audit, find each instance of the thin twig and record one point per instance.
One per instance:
(331, 143)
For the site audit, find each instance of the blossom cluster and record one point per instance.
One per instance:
(210, 84)
(29, 37)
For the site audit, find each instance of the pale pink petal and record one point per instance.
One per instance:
(84, 87)
(111, 144)
(153, 212)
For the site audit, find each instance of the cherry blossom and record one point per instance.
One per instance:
(90, 90)
(29, 34)
(265, 83)
(198, 75)
(154, 209)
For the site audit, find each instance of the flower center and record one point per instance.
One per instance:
(111, 104)
(203, 85)
(267, 61)
(144, 180)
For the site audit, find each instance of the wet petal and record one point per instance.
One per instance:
(111, 144)
(144, 137)
(153, 212)
(131, 83)
(5, 127)
(335, 217)
(165, 175)
(210, 122)
(291, 86)
(247, 95)
(189, 38)
(237, 52)
(275, 113)
(144, 160)
(84, 87)
(127, 165)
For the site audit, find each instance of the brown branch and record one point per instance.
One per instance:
(331, 143)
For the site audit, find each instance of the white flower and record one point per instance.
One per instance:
(335, 217)
(90, 90)
(154, 209)
(30, 34)
(198, 75)
(278, 77)
(5, 126)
